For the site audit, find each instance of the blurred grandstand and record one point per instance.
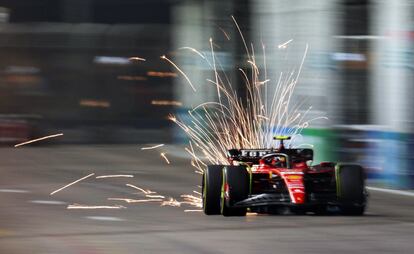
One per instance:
(65, 66)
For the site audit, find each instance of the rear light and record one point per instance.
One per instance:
(226, 191)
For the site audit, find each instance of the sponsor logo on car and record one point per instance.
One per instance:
(254, 153)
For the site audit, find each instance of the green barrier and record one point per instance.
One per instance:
(324, 142)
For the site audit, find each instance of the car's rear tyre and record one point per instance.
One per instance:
(353, 210)
(235, 187)
(211, 189)
(320, 210)
(298, 210)
(350, 186)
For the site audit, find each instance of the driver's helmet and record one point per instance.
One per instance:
(279, 161)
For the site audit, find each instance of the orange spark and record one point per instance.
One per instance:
(182, 73)
(95, 103)
(192, 200)
(224, 32)
(135, 58)
(161, 74)
(38, 139)
(284, 45)
(72, 183)
(129, 200)
(165, 158)
(126, 77)
(113, 176)
(171, 202)
(78, 206)
(154, 196)
(152, 147)
(140, 189)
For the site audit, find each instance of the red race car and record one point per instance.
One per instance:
(269, 180)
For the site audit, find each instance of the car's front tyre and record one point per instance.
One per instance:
(211, 189)
(235, 187)
(350, 185)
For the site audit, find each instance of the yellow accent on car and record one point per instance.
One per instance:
(293, 177)
(281, 137)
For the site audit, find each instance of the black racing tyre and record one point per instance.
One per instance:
(237, 180)
(298, 210)
(353, 210)
(350, 188)
(320, 210)
(211, 189)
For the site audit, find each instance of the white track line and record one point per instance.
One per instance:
(104, 218)
(13, 191)
(397, 192)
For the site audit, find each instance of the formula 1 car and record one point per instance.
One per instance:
(265, 180)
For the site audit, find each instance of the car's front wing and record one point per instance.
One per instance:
(269, 199)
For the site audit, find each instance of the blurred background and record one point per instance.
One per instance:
(65, 67)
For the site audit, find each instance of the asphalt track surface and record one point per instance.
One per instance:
(32, 221)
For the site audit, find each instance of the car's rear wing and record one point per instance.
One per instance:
(253, 155)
